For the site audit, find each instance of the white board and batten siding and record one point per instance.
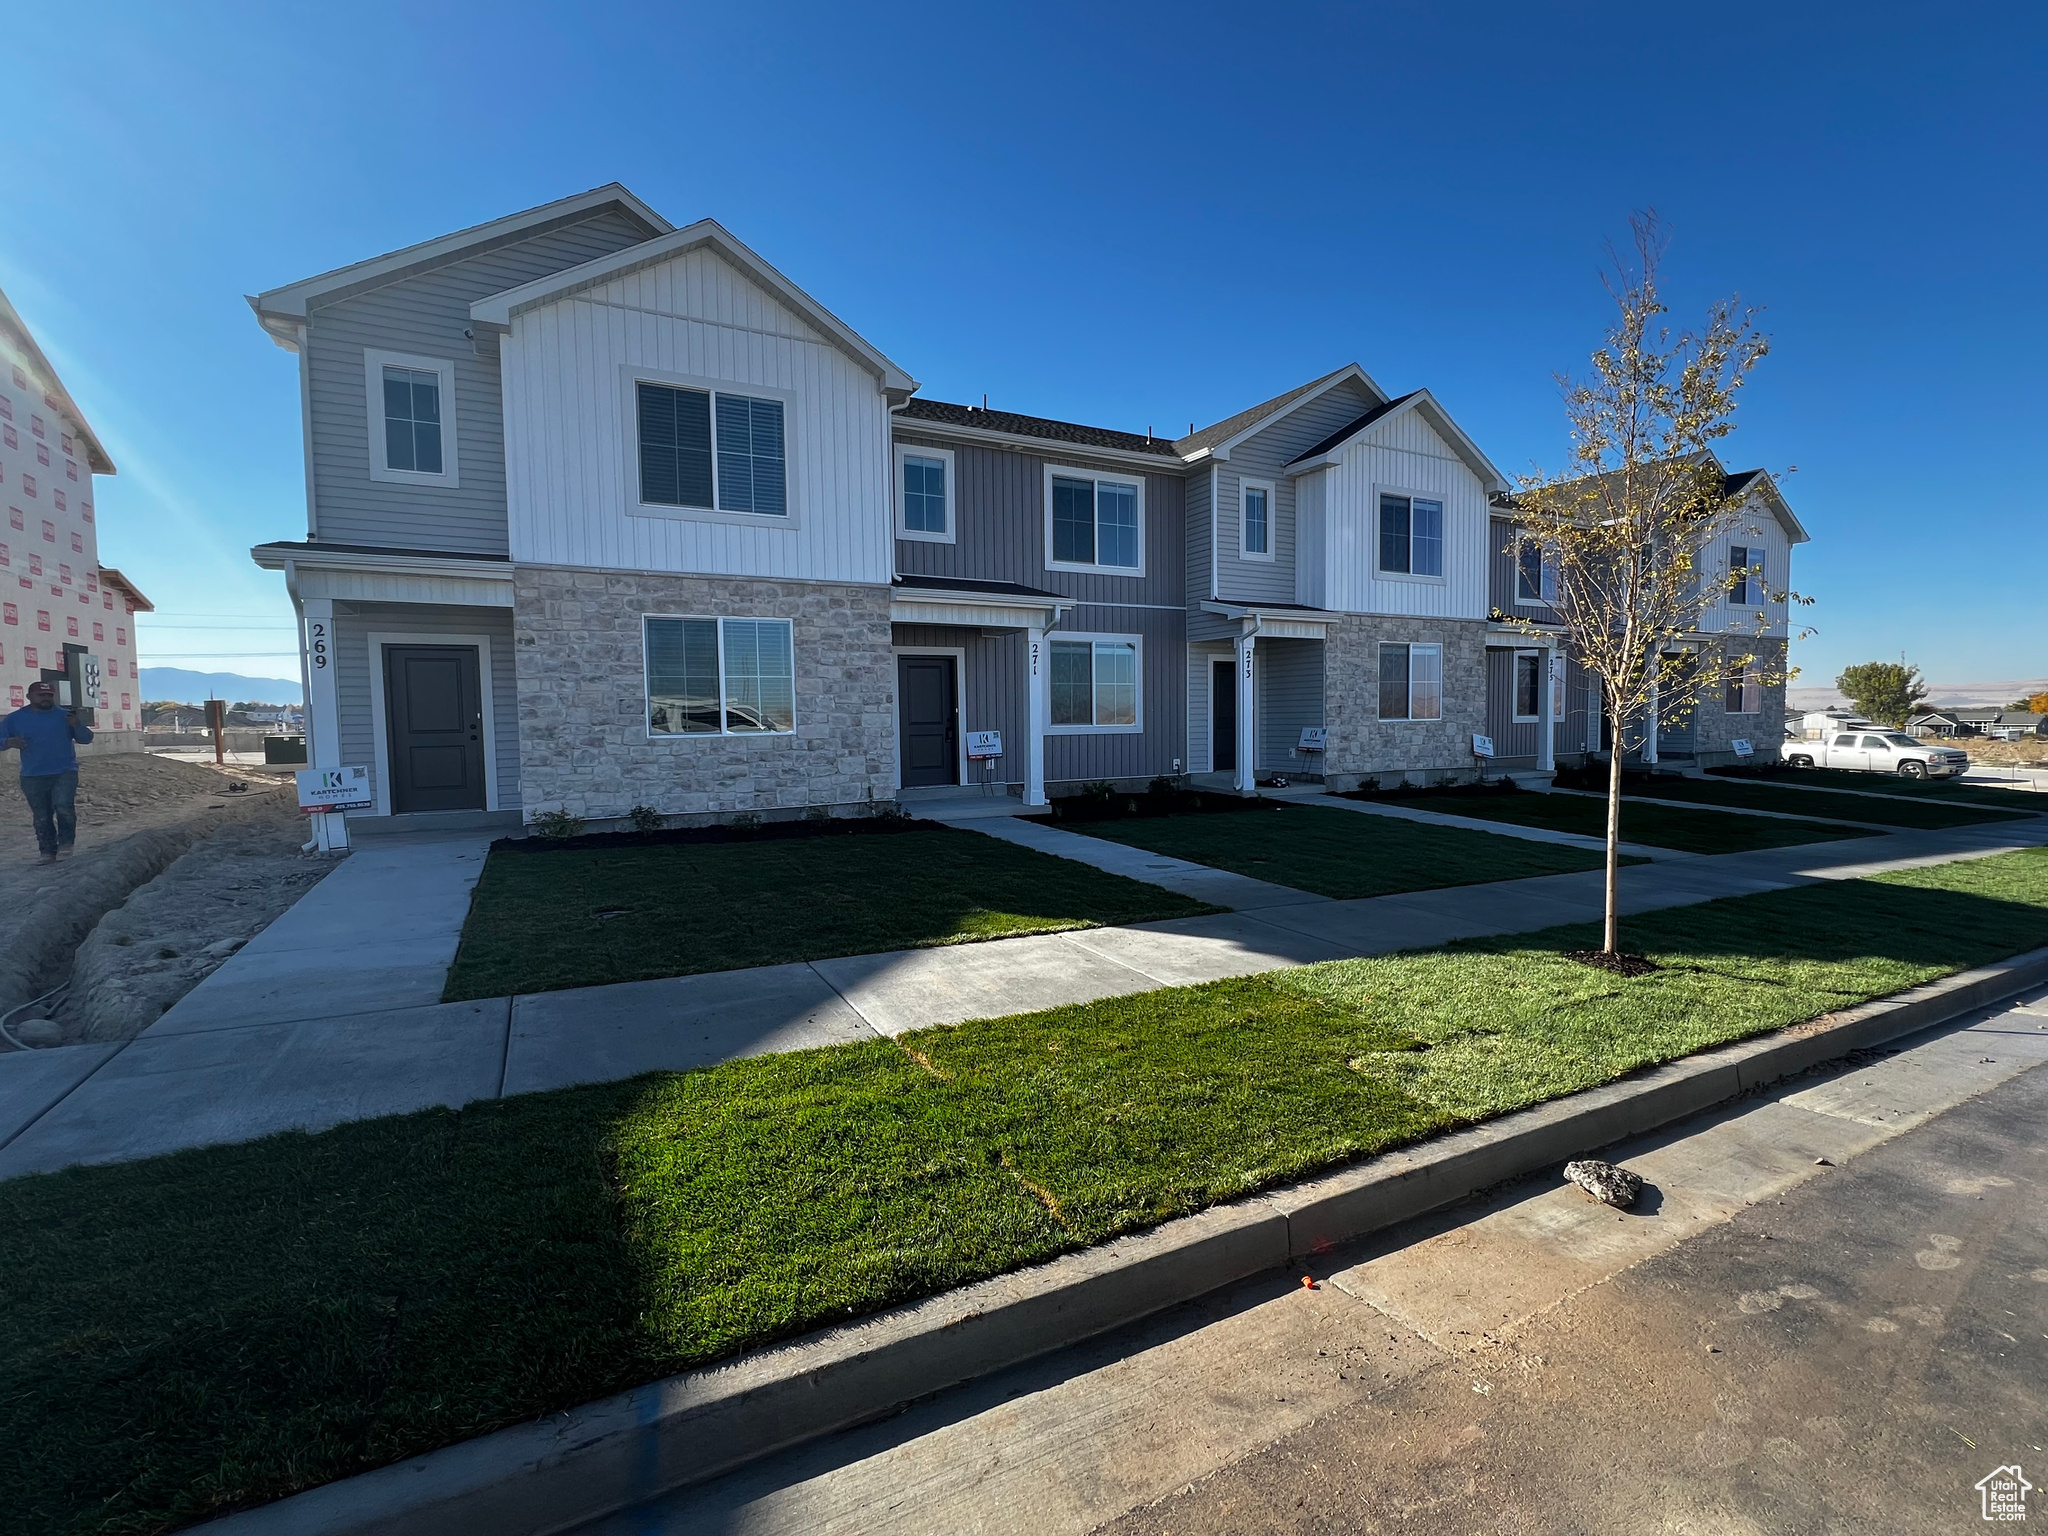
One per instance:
(572, 462)
(1338, 508)
(1756, 528)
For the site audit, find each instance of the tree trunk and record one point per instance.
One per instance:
(1612, 937)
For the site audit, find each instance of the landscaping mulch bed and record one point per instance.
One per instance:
(221, 1327)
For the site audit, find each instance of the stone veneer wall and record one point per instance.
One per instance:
(583, 742)
(1716, 729)
(1363, 745)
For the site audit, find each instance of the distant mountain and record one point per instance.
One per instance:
(177, 685)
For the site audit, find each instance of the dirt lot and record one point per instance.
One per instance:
(2031, 752)
(200, 864)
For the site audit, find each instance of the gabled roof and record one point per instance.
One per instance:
(16, 334)
(1740, 483)
(983, 420)
(1424, 404)
(500, 309)
(1226, 434)
(142, 604)
(280, 309)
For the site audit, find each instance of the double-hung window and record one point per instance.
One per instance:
(1094, 522)
(1745, 694)
(711, 450)
(1528, 684)
(924, 494)
(719, 677)
(1094, 683)
(1411, 682)
(1746, 575)
(1535, 574)
(1255, 541)
(1411, 535)
(411, 405)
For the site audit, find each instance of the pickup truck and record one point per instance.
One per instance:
(1878, 751)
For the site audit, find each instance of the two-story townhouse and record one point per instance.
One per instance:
(64, 617)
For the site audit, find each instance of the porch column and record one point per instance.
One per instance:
(1247, 722)
(323, 708)
(1650, 731)
(1037, 666)
(1546, 729)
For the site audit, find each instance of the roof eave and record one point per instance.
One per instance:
(501, 309)
(97, 459)
(1346, 374)
(1421, 400)
(1168, 462)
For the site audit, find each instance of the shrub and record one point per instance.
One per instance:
(561, 823)
(645, 818)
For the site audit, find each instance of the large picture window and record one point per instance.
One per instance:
(719, 677)
(1094, 684)
(1411, 682)
(1411, 535)
(1094, 523)
(711, 449)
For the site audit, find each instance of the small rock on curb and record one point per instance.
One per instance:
(1603, 1181)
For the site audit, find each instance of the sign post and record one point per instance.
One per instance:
(216, 722)
(985, 747)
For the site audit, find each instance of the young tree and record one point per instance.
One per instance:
(1628, 524)
(1886, 691)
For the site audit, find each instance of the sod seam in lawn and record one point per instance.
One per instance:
(579, 917)
(224, 1326)
(1340, 854)
(1937, 790)
(1655, 826)
(1888, 810)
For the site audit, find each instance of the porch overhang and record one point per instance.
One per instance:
(376, 574)
(1275, 621)
(974, 605)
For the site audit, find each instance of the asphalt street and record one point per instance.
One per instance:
(1828, 1313)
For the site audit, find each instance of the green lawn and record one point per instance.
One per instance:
(220, 1327)
(1340, 854)
(1891, 784)
(1658, 826)
(1892, 810)
(576, 917)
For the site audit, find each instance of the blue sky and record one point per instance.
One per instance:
(1127, 216)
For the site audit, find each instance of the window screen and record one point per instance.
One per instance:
(924, 494)
(1073, 521)
(675, 446)
(751, 476)
(1393, 680)
(1257, 534)
(682, 677)
(412, 420)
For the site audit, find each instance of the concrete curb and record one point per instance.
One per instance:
(591, 1461)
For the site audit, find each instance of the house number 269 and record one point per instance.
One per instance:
(316, 642)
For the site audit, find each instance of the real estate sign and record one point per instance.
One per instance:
(334, 789)
(984, 744)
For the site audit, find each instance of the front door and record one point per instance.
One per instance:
(927, 704)
(1223, 717)
(1675, 715)
(434, 714)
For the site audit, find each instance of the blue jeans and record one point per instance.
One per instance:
(52, 798)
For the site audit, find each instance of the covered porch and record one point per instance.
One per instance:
(1539, 707)
(1255, 694)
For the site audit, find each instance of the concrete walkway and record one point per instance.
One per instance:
(329, 1015)
(1479, 824)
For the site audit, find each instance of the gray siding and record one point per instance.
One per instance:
(354, 623)
(1501, 587)
(992, 686)
(1514, 742)
(1163, 701)
(426, 315)
(1261, 457)
(1290, 696)
(1195, 518)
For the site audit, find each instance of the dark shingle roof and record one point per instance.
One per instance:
(1360, 424)
(918, 409)
(1230, 426)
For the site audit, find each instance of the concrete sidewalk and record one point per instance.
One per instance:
(330, 1015)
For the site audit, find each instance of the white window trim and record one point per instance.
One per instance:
(683, 738)
(1546, 576)
(380, 725)
(1443, 691)
(374, 364)
(959, 655)
(903, 529)
(1075, 472)
(1515, 686)
(1272, 518)
(629, 451)
(1136, 642)
(1755, 562)
(1441, 500)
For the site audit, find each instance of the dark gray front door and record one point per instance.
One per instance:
(434, 715)
(926, 703)
(1223, 717)
(1675, 719)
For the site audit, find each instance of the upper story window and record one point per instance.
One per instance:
(1411, 682)
(1535, 574)
(711, 450)
(1255, 521)
(1411, 535)
(411, 403)
(924, 494)
(1094, 522)
(1746, 575)
(719, 677)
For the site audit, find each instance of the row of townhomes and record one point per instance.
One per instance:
(64, 617)
(605, 513)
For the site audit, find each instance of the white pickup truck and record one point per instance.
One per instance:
(1874, 750)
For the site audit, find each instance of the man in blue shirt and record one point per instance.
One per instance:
(49, 766)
